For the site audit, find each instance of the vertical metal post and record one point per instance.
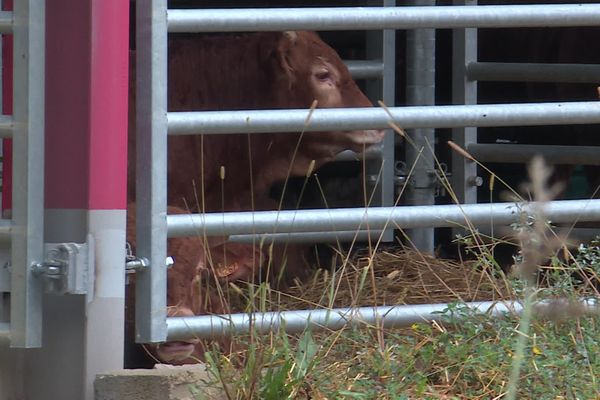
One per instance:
(464, 172)
(28, 171)
(420, 91)
(382, 45)
(151, 169)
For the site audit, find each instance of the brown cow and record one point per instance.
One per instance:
(250, 71)
(190, 291)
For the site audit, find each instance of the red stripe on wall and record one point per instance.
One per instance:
(86, 103)
(110, 88)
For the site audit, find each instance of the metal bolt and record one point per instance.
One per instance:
(169, 262)
(37, 268)
(475, 181)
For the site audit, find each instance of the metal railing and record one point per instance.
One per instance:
(25, 127)
(152, 121)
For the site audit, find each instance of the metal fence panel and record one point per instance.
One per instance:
(366, 18)
(151, 143)
(28, 172)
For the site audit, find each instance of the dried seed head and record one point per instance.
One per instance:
(397, 129)
(311, 167)
(460, 150)
(311, 111)
(222, 172)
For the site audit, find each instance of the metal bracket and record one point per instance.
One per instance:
(65, 269)
(134, 264)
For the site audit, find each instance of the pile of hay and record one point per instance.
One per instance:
(396, 277)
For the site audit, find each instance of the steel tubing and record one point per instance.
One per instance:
(214, 326)
(523, 153)
(362, 69)
(6, 22)
(348, 219)
(367, 18)
(6, 126)
(529, 72)
(308, 237)
(337, 119)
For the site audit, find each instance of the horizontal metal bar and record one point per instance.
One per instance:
(336, 119)
(214, 326)
(530, 72)
(363, 69)
(6, 126)
(523, 153)
(5, 230)
(6, 22)
(308, 237)
(348, 219)
(366, 18)
(4, 329)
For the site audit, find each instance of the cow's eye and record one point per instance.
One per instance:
(323, 75)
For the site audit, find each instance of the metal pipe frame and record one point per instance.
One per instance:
(364, 69)
(379, 173)
(533, 72)
(464, 171)
(308, 237)
(338, 119)
(27, 244)
(7, 127)
(523, 153)
(353, 219)
(420, 91)
(371, 18)
(297, 321)
(151, 143)
(6, 22)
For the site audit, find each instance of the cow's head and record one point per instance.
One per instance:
(312, 70)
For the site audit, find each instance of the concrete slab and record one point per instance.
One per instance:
(186, 382)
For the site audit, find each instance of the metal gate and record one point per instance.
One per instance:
(24, 229)
(154, 21)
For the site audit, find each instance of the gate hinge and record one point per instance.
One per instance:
(65, 269)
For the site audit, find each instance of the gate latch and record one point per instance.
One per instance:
(65, 269)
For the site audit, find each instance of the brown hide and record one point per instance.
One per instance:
(236, 72)
(251, 71)
(189, 290)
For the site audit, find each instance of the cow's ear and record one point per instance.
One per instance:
(284, 50)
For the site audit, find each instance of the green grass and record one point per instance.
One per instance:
(466, 356)
(553, 354)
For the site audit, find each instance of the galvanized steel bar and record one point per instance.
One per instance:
(28, 172)
(530, 72)
(296, 321)
(6, 126)
(464, 171)
(387, 317)
(367, 18)
(308, 237)
(348, 219)
(523, 153)
(271, 121)
(420, 91)
(151, 170)
(379, 172)
(4, 329)
(363, 69)
(6, 22)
